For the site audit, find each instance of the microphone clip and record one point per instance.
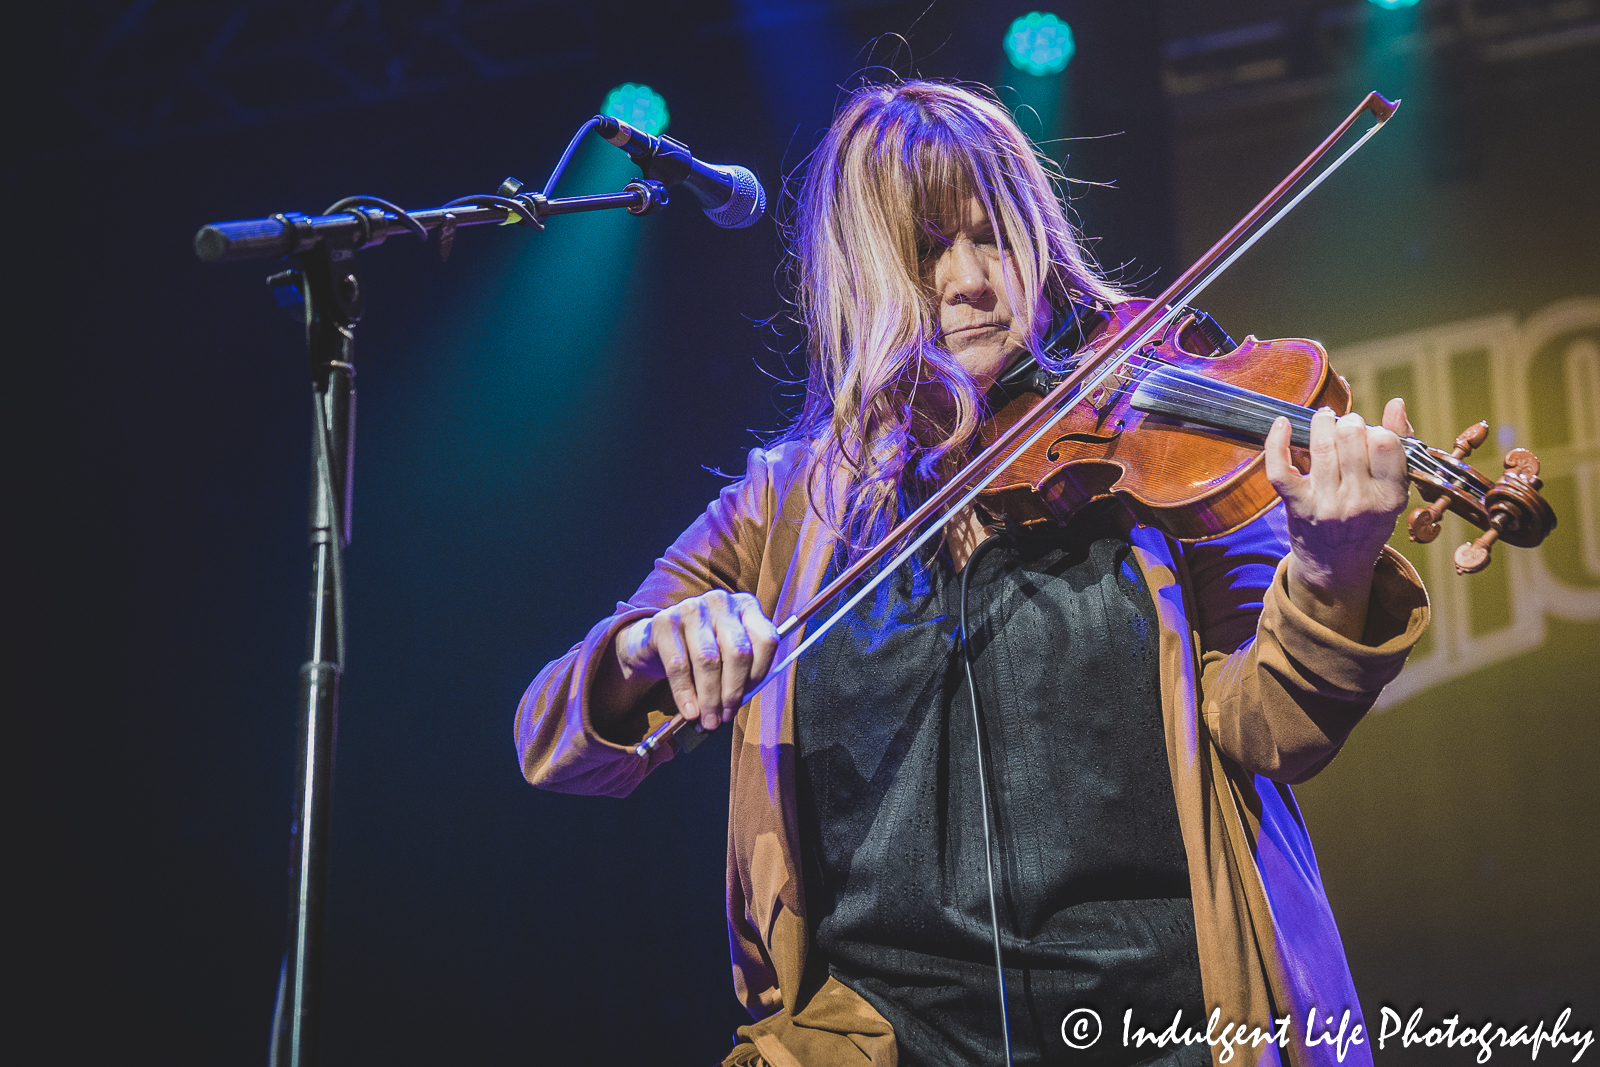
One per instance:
(664, 159)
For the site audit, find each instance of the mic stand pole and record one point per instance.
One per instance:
(326, 284)
(330, 285)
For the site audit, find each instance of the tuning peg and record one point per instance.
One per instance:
(1473, 556)
(1423, 524)
(1471, 438)
(1524, 466)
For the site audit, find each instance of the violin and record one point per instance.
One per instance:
(1161, 410)
(1175, 432)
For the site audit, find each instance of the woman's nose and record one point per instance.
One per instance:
(965, 279)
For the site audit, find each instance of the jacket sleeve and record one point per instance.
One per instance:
(556, 740)
(1280, 692)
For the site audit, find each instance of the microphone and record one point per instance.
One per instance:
(730, 196)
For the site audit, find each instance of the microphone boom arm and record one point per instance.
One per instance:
(366, 221)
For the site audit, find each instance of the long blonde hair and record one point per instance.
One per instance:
(884, 400)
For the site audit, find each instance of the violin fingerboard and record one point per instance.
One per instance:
(1218, 405)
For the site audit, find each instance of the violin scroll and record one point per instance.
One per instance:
(1517, 512)
(1509, 510)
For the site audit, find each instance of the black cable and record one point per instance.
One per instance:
(322, 442)
(983, 790)
(566, 157)
(516, 207)
(400, 213)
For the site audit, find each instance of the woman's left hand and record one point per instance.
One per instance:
(1341, 513)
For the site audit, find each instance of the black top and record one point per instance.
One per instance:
(1091, 877)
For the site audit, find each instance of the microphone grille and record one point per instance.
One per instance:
(747, 204)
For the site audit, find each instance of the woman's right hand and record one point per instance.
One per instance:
(711, 649)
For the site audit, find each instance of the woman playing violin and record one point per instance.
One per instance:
(1142, 705)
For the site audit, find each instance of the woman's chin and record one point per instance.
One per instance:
(986, 358)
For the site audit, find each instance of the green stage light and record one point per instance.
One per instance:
(1040, 43)
(639, 106)
(1390, 5)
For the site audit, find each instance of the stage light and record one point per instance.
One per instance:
(1040, 43)
(639, 106)
(1390, 5)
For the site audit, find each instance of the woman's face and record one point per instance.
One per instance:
(977, 323)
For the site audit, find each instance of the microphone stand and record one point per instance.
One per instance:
(324, 284)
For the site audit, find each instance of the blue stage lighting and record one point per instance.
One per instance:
(639, 106)
(1390, 5)
(1040, 43)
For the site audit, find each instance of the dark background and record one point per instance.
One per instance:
(537, 420)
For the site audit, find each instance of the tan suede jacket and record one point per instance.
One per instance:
(1255, 696)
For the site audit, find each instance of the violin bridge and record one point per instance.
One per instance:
(1101, 397)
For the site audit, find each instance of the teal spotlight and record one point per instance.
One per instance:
(1390, 5)
(639, 106)
(1040, 43)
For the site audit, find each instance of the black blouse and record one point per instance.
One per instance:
(1091, 876)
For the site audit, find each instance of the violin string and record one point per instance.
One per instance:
(1189, 386)
(1418, 454)
(1263, 406)
(1416, 451)
(1250, 402)
(1192, 387)
(1418, 457)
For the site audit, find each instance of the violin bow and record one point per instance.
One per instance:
(1147, 324)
